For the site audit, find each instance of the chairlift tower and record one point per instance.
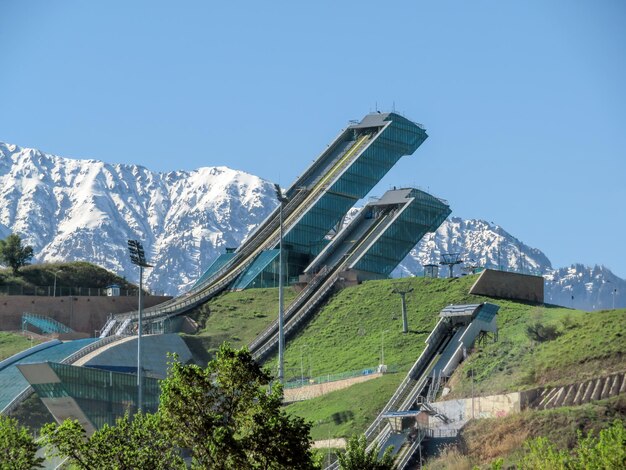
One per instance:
(450, 259)
(403, 291)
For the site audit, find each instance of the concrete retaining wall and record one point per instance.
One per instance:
(84, 314)
(505, 285)
(312, 391)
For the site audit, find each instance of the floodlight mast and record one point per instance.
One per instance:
(138, 257)
(282, 199)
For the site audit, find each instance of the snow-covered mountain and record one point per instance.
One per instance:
(481, 243)
(86, 210)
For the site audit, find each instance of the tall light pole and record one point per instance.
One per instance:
(138, 257)
(54, 289)
(382, 348)
(282, 199)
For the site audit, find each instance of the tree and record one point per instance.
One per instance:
(13, 253)
(17, 447)
(607, 451)
(227, 418)
(357, 457)
(137, 443)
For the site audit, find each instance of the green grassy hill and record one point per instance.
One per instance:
(235, 317)
(12, 343)
(351, 330)
(69, 275)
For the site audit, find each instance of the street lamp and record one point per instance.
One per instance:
(138, 257)
(282, 199)
(382, 349)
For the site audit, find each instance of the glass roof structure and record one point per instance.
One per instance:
(93, 396)
(12, 383)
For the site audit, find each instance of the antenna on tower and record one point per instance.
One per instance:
(450, 259)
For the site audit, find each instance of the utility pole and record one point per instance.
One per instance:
(403, 292)
(138, 257)
(281, 332)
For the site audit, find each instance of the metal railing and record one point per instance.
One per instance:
(296, 318)
(72, 358)
(62, 291)
(322, 379)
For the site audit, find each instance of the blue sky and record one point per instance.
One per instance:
(524, 102)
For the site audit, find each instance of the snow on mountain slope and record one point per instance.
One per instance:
(481, 243)
(584, 287)
(86, 210)
(485, 244)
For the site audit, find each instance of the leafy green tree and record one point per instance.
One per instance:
(13, 253)
(541, 454)
(17, 446)
(607, 451)
(357, 457)
(227, 418)
(136, 443)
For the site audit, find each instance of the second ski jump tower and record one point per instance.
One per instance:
(317, 202)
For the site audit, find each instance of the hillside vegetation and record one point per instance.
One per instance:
(12, 343)
(38, 279)
(483, 441)
(234, 317)
(354, 327)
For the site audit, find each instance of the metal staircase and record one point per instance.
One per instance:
(46, 324)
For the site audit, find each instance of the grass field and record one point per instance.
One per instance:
(351, 331)
(588, 345)
(12, 343)
(341, 414)
(235, 317)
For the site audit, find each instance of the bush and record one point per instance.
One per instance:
(540, 333)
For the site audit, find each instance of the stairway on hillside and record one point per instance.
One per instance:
(579, 393)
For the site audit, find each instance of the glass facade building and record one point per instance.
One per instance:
(94, 396)
(345, 173)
